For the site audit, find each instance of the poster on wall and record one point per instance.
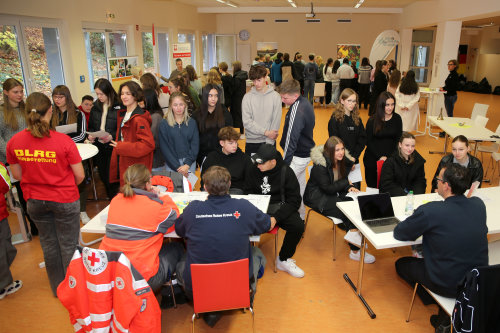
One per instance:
(349, 51)
(182, 51)
(383, 45)
(264, 48)
(119, 70)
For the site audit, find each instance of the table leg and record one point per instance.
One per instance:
(445, 146)
(357, 290)
(92, 180)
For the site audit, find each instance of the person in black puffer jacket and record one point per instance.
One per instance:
(328, 184)
(404, 170)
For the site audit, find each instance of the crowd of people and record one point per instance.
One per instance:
(139, 134)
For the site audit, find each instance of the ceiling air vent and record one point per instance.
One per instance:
(281, 21)
(344, 21)
(258, 20)
(313, 21)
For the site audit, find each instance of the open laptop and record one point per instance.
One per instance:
(377, 212)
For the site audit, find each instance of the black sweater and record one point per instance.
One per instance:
(385, 142)
(238, 165)
(451, 83)
(398, 177)
(354, 137)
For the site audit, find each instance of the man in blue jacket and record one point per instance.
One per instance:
(454, 238)
(297, 138)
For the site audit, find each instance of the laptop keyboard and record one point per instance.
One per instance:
(382, 221)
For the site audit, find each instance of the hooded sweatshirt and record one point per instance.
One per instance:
(261, 111)
(276, 71)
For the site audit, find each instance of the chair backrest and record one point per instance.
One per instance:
(221, 286)
(379, 171)
(481, 121)
(498, 130)
(319, 89)
(479, 110)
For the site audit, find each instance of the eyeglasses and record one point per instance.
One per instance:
(58, 96)
(439, 179)
(451, 64)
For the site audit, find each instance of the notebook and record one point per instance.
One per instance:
(377, 212)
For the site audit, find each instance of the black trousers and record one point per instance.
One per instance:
(364, 94)
(294, 227)
(328, 92)
(332, 210)
(102, 160)
(413, 270)
(344, 83)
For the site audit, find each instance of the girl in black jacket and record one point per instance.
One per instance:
(328, 184)
(404, 170)
(379, 83)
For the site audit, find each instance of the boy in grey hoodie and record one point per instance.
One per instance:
(261, 112)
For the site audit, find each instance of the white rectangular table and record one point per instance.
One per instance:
(97, 224)
(455, 126)
(490, 197)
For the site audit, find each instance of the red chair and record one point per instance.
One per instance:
(379, 171)
(220, 287)
(275, 233)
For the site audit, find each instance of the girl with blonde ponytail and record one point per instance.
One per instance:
(138, 218)
(49, 167)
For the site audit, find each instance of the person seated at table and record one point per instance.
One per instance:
(230, 157)
(460, 155)
(453, 236)
(138, 218)
(213, 239)
(328, 184)
(404, 171)
(274, 177)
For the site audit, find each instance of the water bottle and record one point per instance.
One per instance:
(409, 204)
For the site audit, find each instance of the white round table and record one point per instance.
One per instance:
(87, 151)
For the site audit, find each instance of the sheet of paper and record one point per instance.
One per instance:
(192, 179)
(355, 195)
(355, 175)
(66, 129)
(99, 134)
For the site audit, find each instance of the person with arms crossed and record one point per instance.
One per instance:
(49, 167)
(297, 138)
(274, 177)
(214, 239)
(453, 236)
(261, 109)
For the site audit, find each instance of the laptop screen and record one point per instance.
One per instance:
(375, 206)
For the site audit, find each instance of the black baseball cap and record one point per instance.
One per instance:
(265, 153)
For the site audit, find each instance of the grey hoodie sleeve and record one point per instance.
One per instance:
(276, 119)
(248, 120)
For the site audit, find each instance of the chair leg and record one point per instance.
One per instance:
(192, 320)
(306, 220)
(334, 242)
(173, 294)
(412, 301)
(253, 319)
(275, 250)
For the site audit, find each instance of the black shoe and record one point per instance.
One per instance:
(435, 321)
(440, 319)
(442, 134)
(444, 328)
(211, 318)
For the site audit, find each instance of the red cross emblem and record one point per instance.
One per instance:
(236, 214)
(93, 259)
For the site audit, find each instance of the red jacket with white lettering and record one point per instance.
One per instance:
(102, 291)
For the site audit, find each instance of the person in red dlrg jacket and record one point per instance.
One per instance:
(134, 140)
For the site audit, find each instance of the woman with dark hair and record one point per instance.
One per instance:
(346, 124)
(394, 81)
(103, 117)
(178, 85)
(179, 138)
(451, 85)
(211, 117)
(227, 83)
(134, 140)
(335, 82)
(214, 78)
(407, 96)
(66, 113)
(148, 81)
(150, 104)
(404, 171)
(379, 83)
(239, 90)
(328, 77)
(364, 73)
(194, 81)
(460, 155)
(49, 185)
(328, 184)
(383, 130)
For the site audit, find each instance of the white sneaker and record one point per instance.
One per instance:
(353, 237)
(290, 267)
(84, 217)
(369, 259)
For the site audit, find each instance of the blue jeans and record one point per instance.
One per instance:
(449, 104)
(59, 227)
(335, 93)
(309, 90)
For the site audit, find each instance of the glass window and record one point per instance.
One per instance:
(95, 44)
(209, 59)
(189, 38)
(148, 52)
(163, 54)
(10, 60)
(117, 44)
(423, 36)
(225, 49)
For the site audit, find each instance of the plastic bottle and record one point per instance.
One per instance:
(409, 203)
